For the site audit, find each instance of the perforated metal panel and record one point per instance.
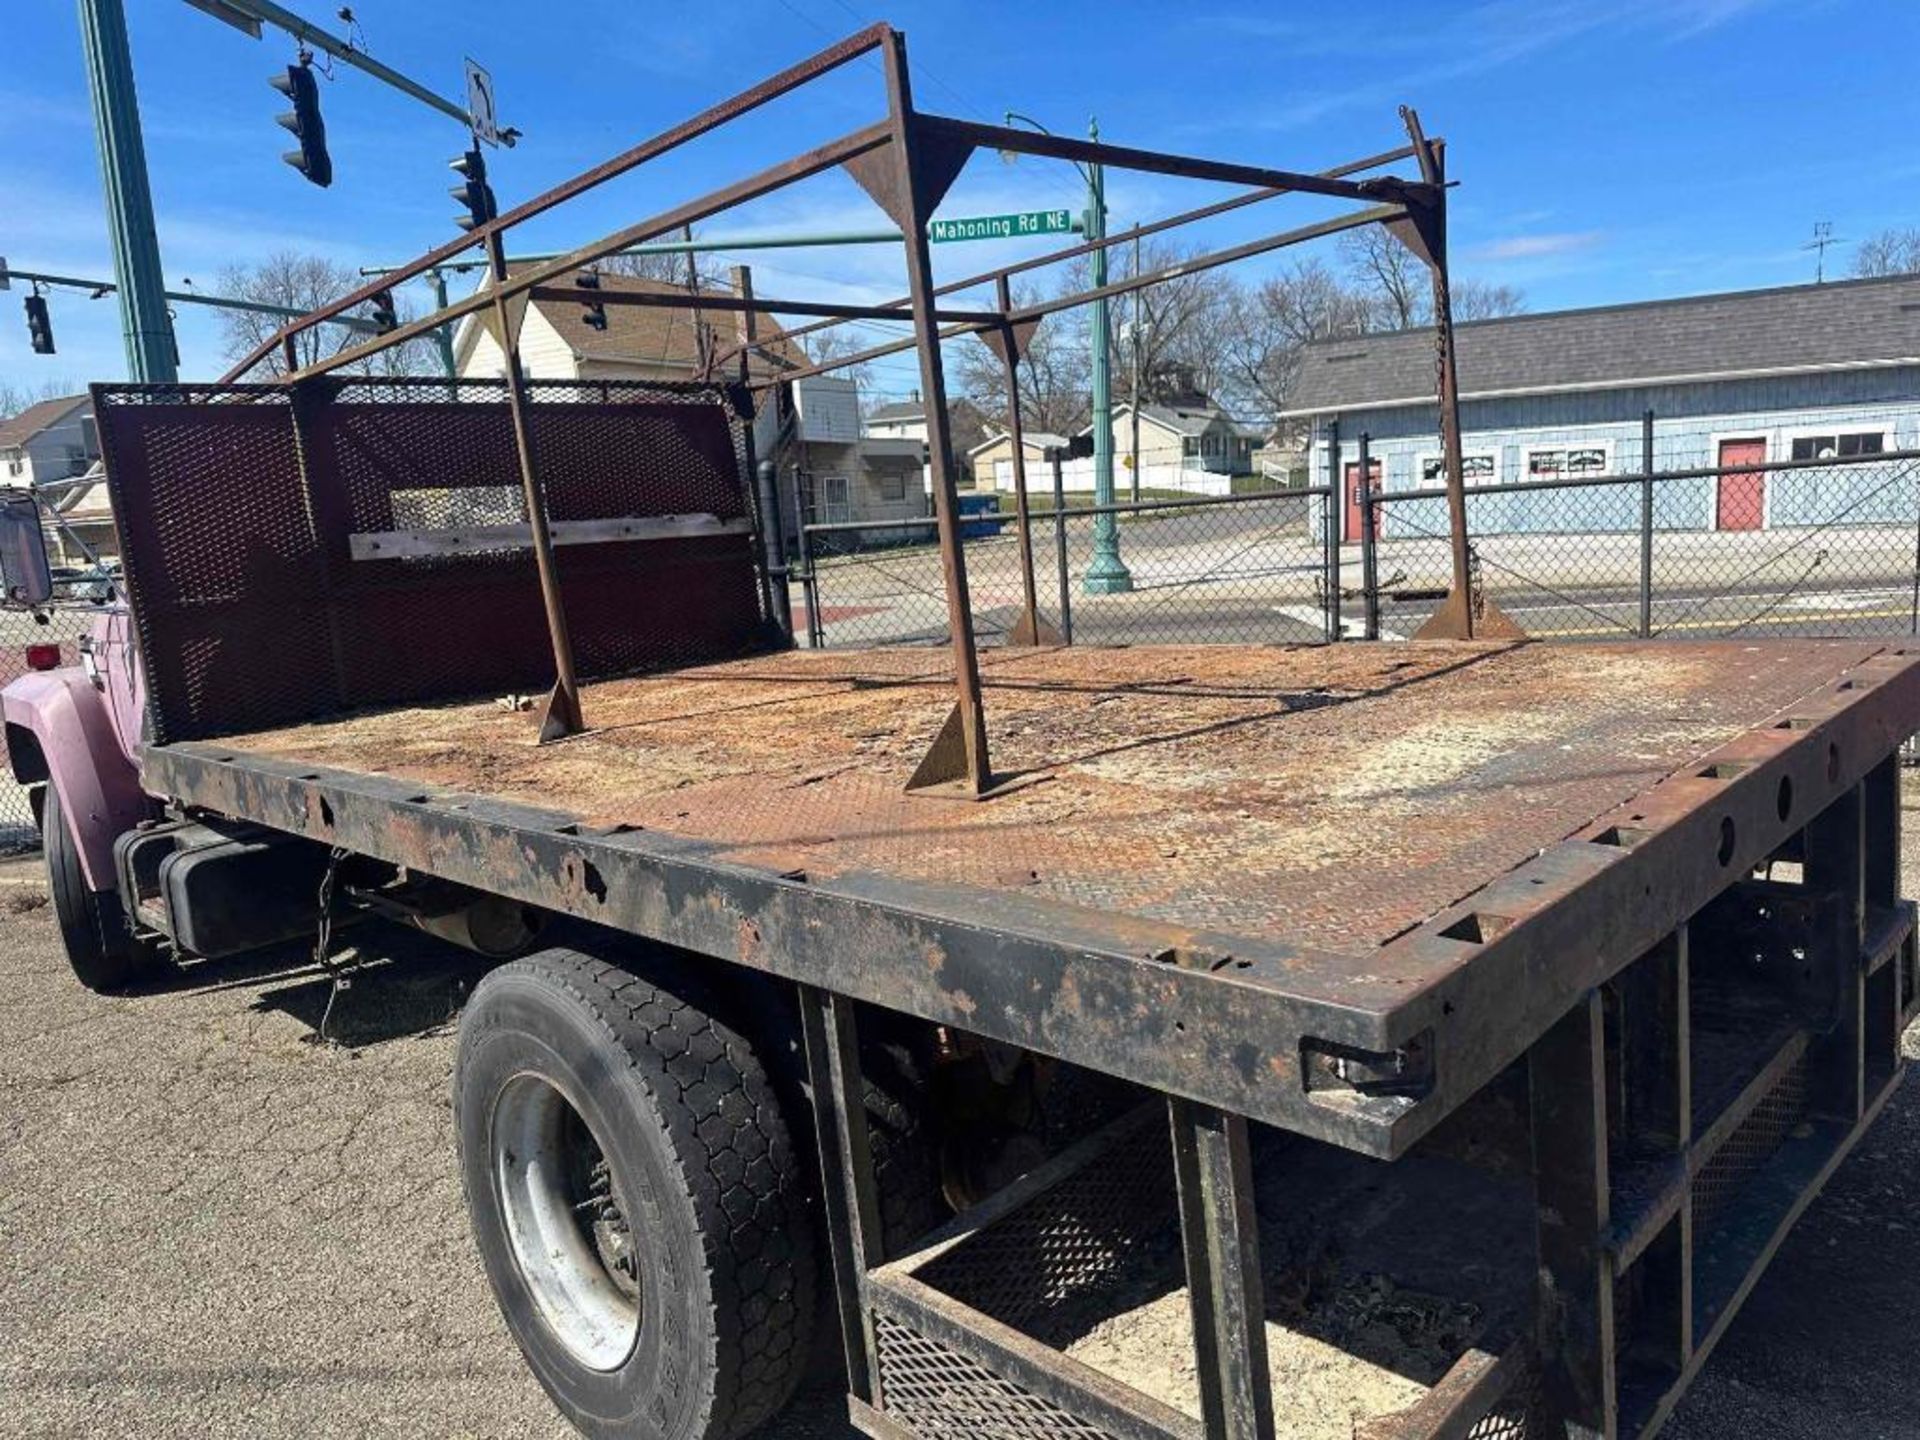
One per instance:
(1070, 1241)
(237, 504)
(1750, 1146)
(943, 1395)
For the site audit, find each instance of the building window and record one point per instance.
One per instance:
(1839, 444)
(893, 488)
(1479, 467)
(1562, 462)
(833, 501)
(1189, 446)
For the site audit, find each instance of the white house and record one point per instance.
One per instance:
(1181, 437)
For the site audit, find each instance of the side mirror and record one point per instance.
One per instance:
(24, 571)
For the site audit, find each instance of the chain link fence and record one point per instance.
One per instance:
(1248, 568)
(1819, 545)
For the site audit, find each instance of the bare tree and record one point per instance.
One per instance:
(17, 396)
(1176, 324)
(832, 344)
(1483, 300)
(1264, 326)
(1395, 284)
(1891, 252)
(305, 282)
(1055, 373)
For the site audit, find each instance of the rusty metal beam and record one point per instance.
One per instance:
(825, 157)
(1127, 157)
(959, 757)
(561, 716)
(1376, 215)
(1011, 342)
(1127, 237)
(794, 76)
(661, 300)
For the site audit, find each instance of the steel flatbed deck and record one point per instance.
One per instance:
(1229, 867)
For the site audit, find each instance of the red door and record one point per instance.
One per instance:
(1743, 493)
(1353, 499)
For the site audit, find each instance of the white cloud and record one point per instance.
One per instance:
(1535, 247)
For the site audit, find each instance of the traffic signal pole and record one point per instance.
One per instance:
(123, 172)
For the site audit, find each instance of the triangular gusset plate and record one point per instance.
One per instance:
(938, 160)
(1449, 622)
(1019, 335)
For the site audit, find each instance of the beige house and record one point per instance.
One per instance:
(639, 342)
(50, 441)
(991, 461)
(1184, 437)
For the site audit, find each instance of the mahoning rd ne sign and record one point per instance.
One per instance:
(1003, 227)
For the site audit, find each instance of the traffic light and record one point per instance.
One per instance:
(596, 316)
(473, 191)
(385, 317)
(311, 159)
(39, 325)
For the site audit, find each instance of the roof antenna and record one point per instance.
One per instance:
(1822, 238)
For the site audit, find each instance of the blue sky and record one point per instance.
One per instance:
(1606, 150)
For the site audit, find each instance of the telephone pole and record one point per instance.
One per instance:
(123, 174)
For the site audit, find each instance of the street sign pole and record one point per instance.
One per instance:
(123, 173)
(1107, 573)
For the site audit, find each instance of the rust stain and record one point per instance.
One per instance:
(1328, 797)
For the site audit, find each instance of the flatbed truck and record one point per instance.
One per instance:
(1408, 1040)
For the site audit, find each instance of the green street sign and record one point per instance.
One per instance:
(1003, 227)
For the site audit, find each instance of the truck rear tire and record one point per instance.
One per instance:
(637, 1200)
(93, 927)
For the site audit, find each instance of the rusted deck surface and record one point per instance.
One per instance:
(1328, 796)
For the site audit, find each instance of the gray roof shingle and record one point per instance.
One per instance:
(1794, 328)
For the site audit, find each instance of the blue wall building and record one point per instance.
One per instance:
(1736, 381)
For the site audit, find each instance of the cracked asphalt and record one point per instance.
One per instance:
(212, 1226)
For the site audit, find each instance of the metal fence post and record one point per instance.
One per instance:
(1369, 550)
(1060, 547)
(810, 589)
(1646, 526)
(1334, 501)
(773, 543)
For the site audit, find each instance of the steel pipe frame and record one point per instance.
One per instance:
(792, 78)
(1379, 215)
(582, 295)
(1088, 247)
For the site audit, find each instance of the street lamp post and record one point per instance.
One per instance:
(1106, 573)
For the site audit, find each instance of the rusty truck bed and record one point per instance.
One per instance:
(1367, 845)
(1326, 796)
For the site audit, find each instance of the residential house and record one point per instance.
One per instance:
(53, 440)
(992, 460)
(967, 426)
(1731, 380)
(835, 474)
(1180, 437)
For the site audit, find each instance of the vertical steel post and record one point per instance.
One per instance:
(1026, 631)
(1213, 1173)
(849, 1203)
(914, 210)
(1646, 526)
(1573, 1301)
(773, 547)
(141, 286)
(810, 588)
(1060, 547)
(1369, 554)
(1836, 866)
(1449, 396)
(1336, 507)
(563, 706)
